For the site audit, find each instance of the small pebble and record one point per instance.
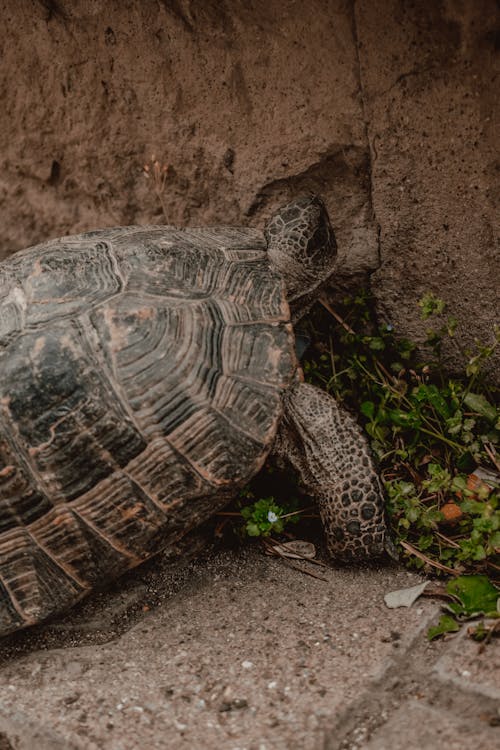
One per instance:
(69, 699)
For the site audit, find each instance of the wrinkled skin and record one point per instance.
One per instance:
(327, 448)
(322, 441)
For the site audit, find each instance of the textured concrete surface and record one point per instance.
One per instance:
(389, 109)
(238, 650)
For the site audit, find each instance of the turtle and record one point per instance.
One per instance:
(146, 374)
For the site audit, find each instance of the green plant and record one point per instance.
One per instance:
(265, 517)
(469, 597)
(437, 437)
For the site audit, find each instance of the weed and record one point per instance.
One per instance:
(467, 598)
(436, 437)
(264, 517)
(265, 514)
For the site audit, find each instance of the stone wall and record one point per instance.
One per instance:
(387, 108)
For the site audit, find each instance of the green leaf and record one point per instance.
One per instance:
(440, 478)
(432, 395)
(425, 541)
(476, 595)
(368, 409)
(479, 632)
(431, 305)
(459, 483)
(447, 624)
(376, 344)
(404, 418)
(454, 423)
(377, 432)
(495, 540)
(252, 529)
(479, 404)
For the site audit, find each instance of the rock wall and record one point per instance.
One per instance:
(387, 108)
(430, 74)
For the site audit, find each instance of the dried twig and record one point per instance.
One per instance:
(337, 317)
(447, 540)
(493, 456)
(276, 552)
(348, 328)
(413, 551)
(158, 173)
(495, 627)
(299, 512)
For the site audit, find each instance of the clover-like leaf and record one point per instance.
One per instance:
(474, 595)
(447, 624)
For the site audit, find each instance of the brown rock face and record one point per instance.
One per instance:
(385, 108)
(430, 83)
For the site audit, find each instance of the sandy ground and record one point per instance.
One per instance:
(236, 650)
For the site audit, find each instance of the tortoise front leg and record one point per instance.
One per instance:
(330, 452)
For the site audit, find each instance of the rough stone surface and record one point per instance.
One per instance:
(227, 94)
(428, 73)
(417, 727)
(238, 650)
(463, 665)
(388, 109)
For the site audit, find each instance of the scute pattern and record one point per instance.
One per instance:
(45, 282)
(141, 375)
(21, 502)
(66, 422)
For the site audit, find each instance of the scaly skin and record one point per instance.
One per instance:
(326, 446)
(318, 438)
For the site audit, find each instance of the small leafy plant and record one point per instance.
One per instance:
(436, 437)
(268, 505)
(469, 597)
(263, 517)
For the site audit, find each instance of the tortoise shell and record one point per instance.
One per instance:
(141, 375)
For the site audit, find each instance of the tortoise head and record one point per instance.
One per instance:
(302, 248)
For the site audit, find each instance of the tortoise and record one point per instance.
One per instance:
(146, 373)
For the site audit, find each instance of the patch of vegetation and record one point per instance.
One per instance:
(469, 597)
(436, 437)
(265, 516)
(267, 506)
(437, 441)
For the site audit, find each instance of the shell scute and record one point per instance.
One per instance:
(87, 557)
(69, 426)
(258, 352)
(21, 502)
(141, 375)
(124, 514)
(35, 582)
(55, 282)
